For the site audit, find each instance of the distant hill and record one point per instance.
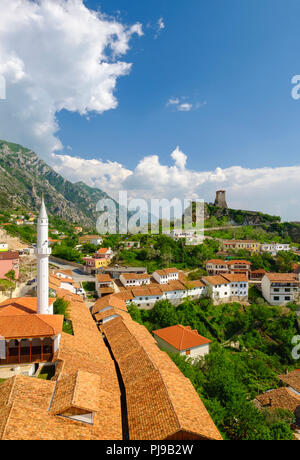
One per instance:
(24, 177)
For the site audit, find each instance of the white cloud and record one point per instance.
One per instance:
(185, 107)
(57, 55)
(270, 190)
(161, 24)
(182, 106)
(173, 101)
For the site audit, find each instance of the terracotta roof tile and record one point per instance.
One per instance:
(181, 337)
(292, 379)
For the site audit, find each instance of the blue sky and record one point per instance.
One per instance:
(203, 102)
(237, 56)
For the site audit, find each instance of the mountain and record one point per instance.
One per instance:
(24, 177)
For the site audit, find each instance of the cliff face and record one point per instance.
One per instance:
(24, 177)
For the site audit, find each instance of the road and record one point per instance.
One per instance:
(78, 275)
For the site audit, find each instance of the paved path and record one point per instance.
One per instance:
(78, 275)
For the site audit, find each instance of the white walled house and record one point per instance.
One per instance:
(134, 279)
(183, 340)
(228, 287)
(274, 248)
(280, 288)
(220, 287)
(64, 274)
(216, 267)
(239, 286)
(146, 297)
(166, 275)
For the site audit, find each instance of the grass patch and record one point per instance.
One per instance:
(89, 286)
(2, 380)
(47, 373)
(68, 328)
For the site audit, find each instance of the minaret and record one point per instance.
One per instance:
(43, 253)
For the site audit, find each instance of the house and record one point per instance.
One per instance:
(133, 279)
(19, 222)
(64, 274)
(229, 287)
(116, 271)
(9, 260)
(190, 237)
(104, 285)
(131, 244)
(55, 232)
(29, 337)
(78, 230)
(166, 275)
(96, 240)
(183, 340)
(92, 264)
(146, 297)
(280, 288)
(274, 248)
(3, 247)
(283, 398)
(257, 275)
(104, 253)
(216, 267)
(237, 245)
(239, 267)
(57, 282)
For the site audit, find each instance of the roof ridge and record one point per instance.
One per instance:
(75, 388)
(49, 325)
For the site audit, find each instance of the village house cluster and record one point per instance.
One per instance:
(84, 398)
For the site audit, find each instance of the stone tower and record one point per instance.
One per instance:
(43, 253)
(221, 199)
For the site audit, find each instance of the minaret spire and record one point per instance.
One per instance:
(43, 252)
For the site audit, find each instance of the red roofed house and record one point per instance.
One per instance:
(220, 267)
(228, 287)
(183, 340)
(280, 288)
(9, 260)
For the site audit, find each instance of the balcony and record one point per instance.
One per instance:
(26, 352)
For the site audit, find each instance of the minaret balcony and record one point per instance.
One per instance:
(43, 251)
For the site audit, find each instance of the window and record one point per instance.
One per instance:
(276, 290)
(287, 298)
(276, 298)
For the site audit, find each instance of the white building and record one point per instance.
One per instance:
(3, 247)
(183, 340)
(274, 248)
(190, 237)
(134, 279)
(228, 287)
(280, 288)
(166, 275)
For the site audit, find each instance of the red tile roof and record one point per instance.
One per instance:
(9, 255)
(181, 337)
(282, 277)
